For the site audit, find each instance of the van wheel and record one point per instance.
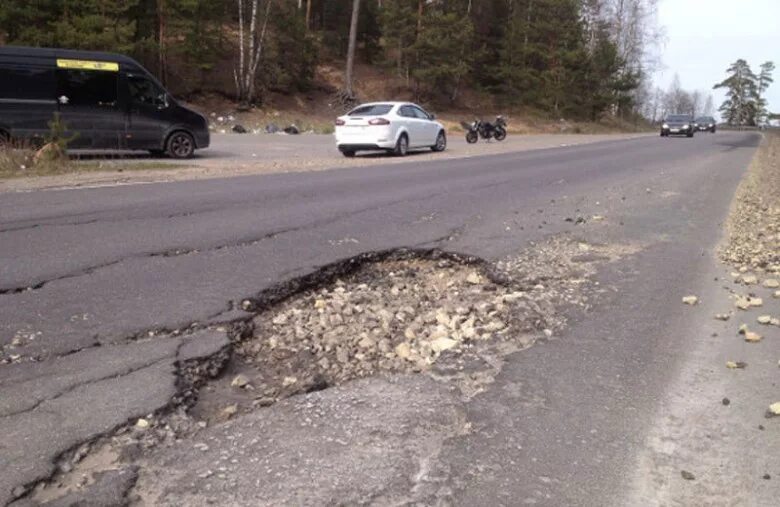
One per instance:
(348, 153)
(180, 145)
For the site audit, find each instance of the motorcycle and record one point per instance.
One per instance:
(485, 130)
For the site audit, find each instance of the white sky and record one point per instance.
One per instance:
(704, 36)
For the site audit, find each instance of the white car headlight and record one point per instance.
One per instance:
(710, 125)
(665, 125)
(685, 126)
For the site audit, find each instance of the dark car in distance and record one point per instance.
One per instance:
(104, 101)
(706, 124)
(678, 125)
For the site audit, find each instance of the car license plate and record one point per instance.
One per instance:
(675, 130)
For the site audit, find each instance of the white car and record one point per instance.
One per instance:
(396, 127)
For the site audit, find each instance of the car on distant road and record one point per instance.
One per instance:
(706, 124)
(396, 127)
(678, 125)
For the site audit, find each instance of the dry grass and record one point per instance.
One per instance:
(20, 163)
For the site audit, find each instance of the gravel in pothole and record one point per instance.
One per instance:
(401, 316)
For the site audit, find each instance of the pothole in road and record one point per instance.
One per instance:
(442, 315)
(408, 312)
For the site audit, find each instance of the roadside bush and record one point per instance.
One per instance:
(25, 158)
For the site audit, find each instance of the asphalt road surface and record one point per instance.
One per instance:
(89, 278)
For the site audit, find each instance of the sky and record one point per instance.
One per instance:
(703, 37)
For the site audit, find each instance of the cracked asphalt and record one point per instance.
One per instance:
(89, 278)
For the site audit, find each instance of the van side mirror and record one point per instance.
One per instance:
(432, 116)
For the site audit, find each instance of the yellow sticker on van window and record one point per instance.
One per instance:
(87, 65)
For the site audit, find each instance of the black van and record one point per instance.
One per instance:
(105, 101)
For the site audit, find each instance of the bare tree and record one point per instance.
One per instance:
(420, 7)
(709, 106)
(163, 61)
(250, 50)
(636, 33)
(353, 27)
(696, 103)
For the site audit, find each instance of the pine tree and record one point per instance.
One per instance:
(762, 85)
(399, 33)
(739, 108)
(442, 56)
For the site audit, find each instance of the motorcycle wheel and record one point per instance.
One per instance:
(471, 137)
(500, 134)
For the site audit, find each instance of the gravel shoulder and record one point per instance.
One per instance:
(237, 155)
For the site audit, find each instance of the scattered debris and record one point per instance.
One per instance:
(752, 337)
(771, 283)
(726, 402)
(687, 475)
(239, 129)
(240, 381)
(749, 279)
(142, 424)
(747, 302)
(228, 412)
(774, 410)
(764, 319)
(722, 316)
(736, 365)
(690, 300)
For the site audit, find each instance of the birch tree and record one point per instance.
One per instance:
(250, 49)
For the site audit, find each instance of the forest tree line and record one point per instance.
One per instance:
(571, 58)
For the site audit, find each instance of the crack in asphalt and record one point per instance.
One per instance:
(118, 374)
(176, 252)
(109, 221)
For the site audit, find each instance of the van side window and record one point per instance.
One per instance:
(26, 83)
(87, 87)
(144, 91)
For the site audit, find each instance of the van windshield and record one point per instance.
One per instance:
(678, 117)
